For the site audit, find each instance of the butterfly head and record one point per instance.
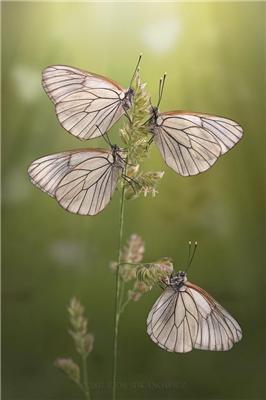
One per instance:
(154, 112)
(115, 150)
(178, 279)
(128, 98)
(118, 156)
(152, 121)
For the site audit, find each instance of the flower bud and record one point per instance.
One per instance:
(88, 343)
(135, 296)
(69, 367)
(79, 328)
(156, 272)
(134, 250)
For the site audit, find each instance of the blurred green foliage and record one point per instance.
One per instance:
(214, 54)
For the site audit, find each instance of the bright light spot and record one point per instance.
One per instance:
(161, 36)
(27, 82)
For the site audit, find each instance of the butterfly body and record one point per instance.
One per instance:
(118, 158)
(191, 143)
(177, 281)
(127, 98)
(87, 104)
(82, 181)
(186, 317)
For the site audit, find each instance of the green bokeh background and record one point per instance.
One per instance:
(214, 54)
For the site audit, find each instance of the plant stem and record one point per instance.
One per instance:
(122, 291)
(136, 264)
(124, 305)
(117, 293)
(85, 378)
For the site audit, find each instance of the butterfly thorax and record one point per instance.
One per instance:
(154, 114)
(117, 156)
(127, 100)
(155, 119)
(177, 280)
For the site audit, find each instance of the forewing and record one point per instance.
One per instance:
(46, 172)
(226, 131)
(190, 318)
(218, 330)
(172, 322)
(82, 182)
(86, 104)
(191, 143)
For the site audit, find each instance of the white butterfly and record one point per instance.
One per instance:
(186, 317)
(86, 104)
(82, 181)
(191, 143)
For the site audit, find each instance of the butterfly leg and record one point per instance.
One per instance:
(128, 116)
(150, 140)
(130, 165)
(131, 182)
(105, 136)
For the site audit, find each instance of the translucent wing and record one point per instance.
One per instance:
(82, 181)
(172, 322)
(218, 330)
(86, 104)
(182, 320)
(191, 143)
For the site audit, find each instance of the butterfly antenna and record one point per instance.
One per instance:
(191, 255)
(189, 252)
(135, 71)
(161, 89)
(159, 94)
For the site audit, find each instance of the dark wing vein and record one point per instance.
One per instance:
(81, 99)
(191, 144)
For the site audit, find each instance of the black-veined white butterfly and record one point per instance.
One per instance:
(86, 104)
(82, 181)
(191, 143)
(186, 317)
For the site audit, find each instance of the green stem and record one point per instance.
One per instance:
(123, 306)
(85, 378)
(136, 264)
(122, 291)
(117, 293)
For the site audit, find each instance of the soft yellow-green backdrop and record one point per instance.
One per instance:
(214, 54)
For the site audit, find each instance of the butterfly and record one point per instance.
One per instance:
(191, 143)
(82, 181)
(86, 104)
(185, 317)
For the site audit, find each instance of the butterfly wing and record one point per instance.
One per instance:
(86, 104)
(182, 320)
(218, 330)
(82, 181)
(172, 322)
(192, 143)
